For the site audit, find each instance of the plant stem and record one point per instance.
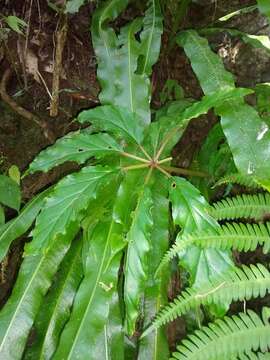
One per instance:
(134, 167)
(164, 171)
(164, 160)
(182, 171)
(148, 175)
(134, 157)
(145, 152)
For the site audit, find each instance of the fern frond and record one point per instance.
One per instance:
(238, 179)
(227, 338)
(235, 236)
(239, 284)
(242, 206)
(253, 356)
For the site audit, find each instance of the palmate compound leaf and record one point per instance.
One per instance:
(227, 338)
(252, 153)
(34, 279)
(56, 306)
(66, 205)
(95, 311)
(192, 213)
(155, 345)
(18, 226)
(237, 285)
(77, 146)
(125, 61)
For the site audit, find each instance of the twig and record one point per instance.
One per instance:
(20, 110)
(61, 35)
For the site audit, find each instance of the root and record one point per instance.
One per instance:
(61, 36)
(20, 110)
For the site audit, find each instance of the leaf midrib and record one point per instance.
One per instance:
(93, 292)
(57, 303)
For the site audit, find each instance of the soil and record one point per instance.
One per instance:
(31, 58)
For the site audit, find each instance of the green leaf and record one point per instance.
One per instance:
(239, 179)
(56, 306)
(171, 91)
(76, 146)
(125, 61)
(116, 120)
(66, 205)
(10, 194)
(105, 45)
(264, 7)
(83, 336)
(155, 345)
(14, 174)
(258, 41)
(240, 284)
(73, 6)
(133, 89)
(207, 65)
(242, 206)
(18, 226)
(169, 128)
(241, 11)
(16, 24)
(215, 159)
(192, 213)
(113, 331)
(228, 338)
(34, 279)
(235, 236)
(2, 218)
(262, 91)
(252, 153)
(150, 37)
(136, 262)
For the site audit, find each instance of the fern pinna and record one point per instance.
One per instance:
(91, 277)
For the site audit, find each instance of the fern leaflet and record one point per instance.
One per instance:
(227, 338)
(238, 179)
(236, 236)
(242, 206)
(238, 284)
